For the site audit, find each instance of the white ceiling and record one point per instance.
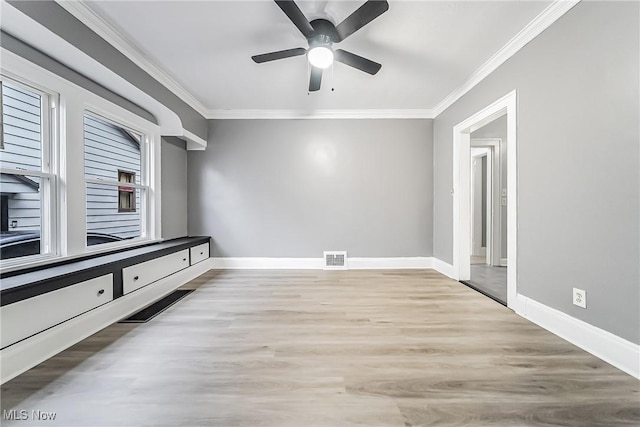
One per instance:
(427, 49)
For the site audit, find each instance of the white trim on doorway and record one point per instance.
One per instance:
(494, 255)
(461, 190)
(487, 250)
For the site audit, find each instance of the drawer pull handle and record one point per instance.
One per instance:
(201, 253)
(101, 291)
(184, 259)
(135, 278)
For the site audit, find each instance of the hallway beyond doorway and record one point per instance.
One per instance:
(488, 280)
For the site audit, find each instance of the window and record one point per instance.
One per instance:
(47, 191)
(27, 178)
(113, 156)
(126, 194)
(1, 121)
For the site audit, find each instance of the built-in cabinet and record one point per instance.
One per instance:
(39, 300)
(199, 253)
(25, 318)
(142, 274)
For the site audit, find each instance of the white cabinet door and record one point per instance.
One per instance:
(142, 274)
(25, 318)
(199, 253)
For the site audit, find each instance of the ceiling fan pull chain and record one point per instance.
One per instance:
(308, 76)
(333, 86)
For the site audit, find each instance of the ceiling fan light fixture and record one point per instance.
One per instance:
(321, 34)
(320, 56)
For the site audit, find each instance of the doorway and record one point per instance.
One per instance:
(496, 227)
(488, 270)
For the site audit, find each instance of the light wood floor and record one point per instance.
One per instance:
(349, 348)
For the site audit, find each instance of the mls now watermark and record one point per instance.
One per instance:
(24, 415)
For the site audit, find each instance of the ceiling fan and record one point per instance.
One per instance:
(321, 34)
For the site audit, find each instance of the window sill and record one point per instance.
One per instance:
(43, 260)
(13, 264)
(127, 243)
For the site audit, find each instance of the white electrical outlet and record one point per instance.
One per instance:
(580, 297)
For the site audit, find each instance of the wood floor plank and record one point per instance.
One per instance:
(327, 348)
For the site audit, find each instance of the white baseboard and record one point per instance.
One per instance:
(257, 263)
(443, 268)
(503, 262)
(260, 263)
(617, 351)
(390, 263)
(26, 354)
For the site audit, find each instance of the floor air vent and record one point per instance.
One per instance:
(157, 307)
(335, 260)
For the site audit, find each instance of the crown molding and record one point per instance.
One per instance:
(319, 114)
(534, 28)
(114, 37)
(89, 17)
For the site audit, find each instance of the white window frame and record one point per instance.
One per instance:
(48, 173)
(72, 101)
(144, 186)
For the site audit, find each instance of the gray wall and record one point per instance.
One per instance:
(59, 21)
(173, 187)
(293, 188)
(578, 162)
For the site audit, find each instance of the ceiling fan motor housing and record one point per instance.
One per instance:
(325, 34)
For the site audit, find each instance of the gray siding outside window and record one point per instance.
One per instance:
(109, 149)
(22, 149)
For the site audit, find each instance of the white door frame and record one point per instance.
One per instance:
(461, 190)
(479, 153)
(496, 211)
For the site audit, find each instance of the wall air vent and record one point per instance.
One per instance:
(335, 260)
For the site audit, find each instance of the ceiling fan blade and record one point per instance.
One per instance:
(291, 9)
(361, 17)
(315, 79)
(355, 61)
(281, 54)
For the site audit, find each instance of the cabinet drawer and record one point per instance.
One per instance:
(30, 316)
(199, 253)
(142, 274)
